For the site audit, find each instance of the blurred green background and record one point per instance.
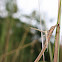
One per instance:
(18, 42)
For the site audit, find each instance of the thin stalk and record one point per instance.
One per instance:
(57, 40)
(3, 35)
(7, 40)
(41, 29)
(4, 31)
(50, 52)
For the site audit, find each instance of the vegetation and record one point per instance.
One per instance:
(20, 43)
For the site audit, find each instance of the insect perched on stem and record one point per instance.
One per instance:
(48, 36)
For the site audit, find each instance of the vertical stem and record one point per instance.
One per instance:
(3, 33)
(4, 59)
(50, 52)
(42, 47)
(3, 37)
(7, 39)
(56, 53)
(41, 28)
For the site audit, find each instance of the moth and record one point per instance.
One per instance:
(49, 34)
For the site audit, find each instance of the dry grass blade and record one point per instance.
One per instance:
(45, 46)
(37, 29)
(56, 53)
(56, 45)
(41, 29)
